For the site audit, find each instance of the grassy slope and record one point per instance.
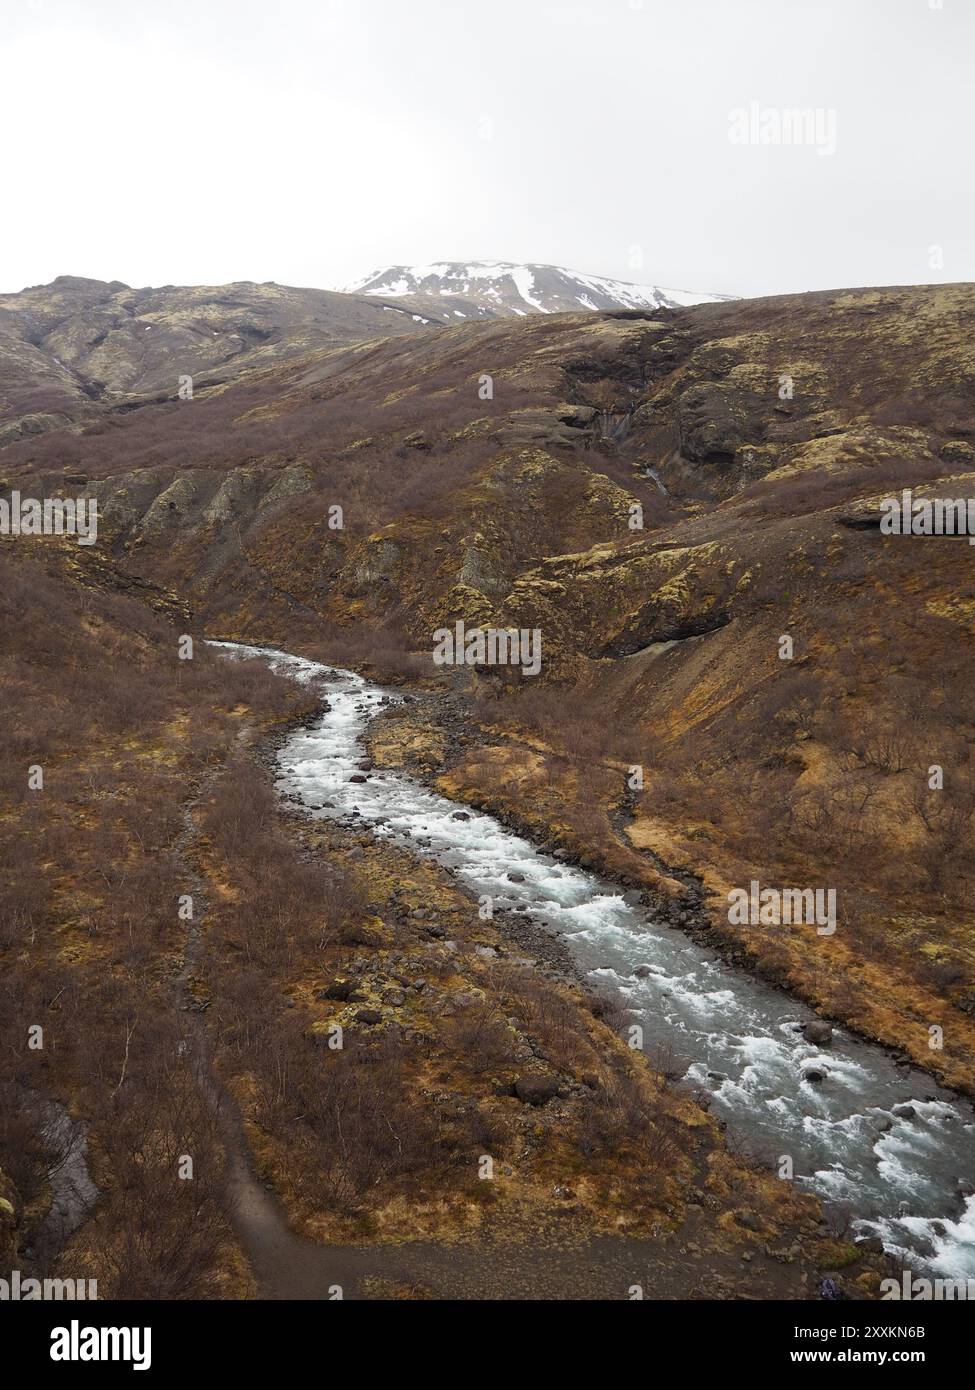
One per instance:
(808, 772)
(151, 789)
(515, 509)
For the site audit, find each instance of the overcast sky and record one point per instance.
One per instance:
(312, 141)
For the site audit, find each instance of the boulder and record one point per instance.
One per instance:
(818, 1032)
(343, 990)
(536, 1090)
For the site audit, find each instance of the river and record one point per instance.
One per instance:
(876, 1137)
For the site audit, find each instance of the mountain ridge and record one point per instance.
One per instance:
(77, 342)
(491, 289)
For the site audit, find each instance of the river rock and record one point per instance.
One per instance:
(358, 777)
(815, 1074)
(904, 1112)
(818, 1032)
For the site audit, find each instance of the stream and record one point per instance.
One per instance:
(73, 1192)
(876, 1137)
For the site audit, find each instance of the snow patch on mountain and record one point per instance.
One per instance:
(495, 289)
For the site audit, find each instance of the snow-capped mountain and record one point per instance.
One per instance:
(498, 289)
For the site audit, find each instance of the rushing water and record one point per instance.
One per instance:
(903, 1176)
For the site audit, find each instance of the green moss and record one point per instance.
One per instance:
(836, 1254)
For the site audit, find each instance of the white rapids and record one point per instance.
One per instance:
(906, 1177)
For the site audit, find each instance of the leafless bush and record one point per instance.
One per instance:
(480, 1039)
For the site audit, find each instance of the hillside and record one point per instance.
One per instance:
(75, 344)
(492, 473)
(756, 513)
(168, 1034)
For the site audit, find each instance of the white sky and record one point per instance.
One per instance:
(312, 141)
